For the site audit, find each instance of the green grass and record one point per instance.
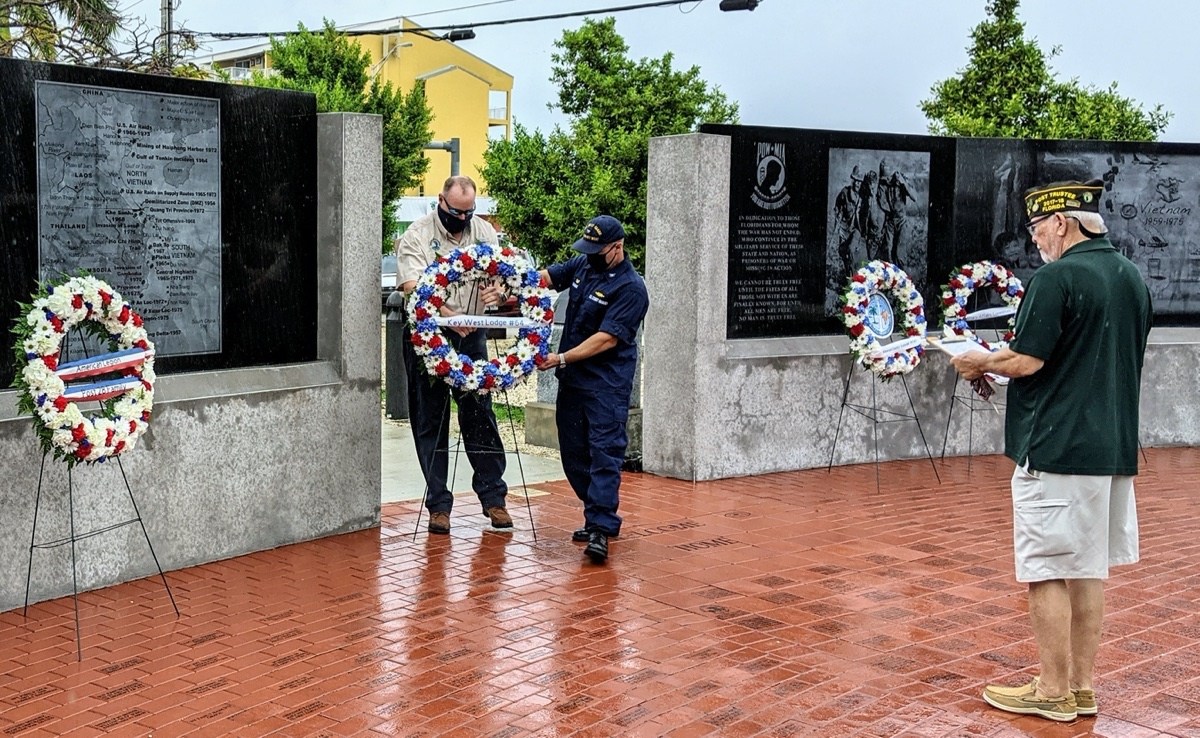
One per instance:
(506, 412)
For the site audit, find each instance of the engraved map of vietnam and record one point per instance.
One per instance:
(129, 188)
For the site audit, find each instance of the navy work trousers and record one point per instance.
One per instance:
(429, 417)
(592, 442)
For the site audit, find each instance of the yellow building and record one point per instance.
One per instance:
(471, 99)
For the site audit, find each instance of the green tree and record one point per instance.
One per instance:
(1008, 90)
(335, 69)
(48, 30)
(547, 186)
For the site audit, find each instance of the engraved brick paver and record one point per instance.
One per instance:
(794, 604)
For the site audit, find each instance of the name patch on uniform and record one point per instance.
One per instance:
(598, 297)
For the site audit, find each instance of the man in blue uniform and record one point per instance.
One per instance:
(595, 366)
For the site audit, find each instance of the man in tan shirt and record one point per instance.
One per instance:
(452, 225)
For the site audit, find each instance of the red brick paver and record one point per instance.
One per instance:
(797, 604)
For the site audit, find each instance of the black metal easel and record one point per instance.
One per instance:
(74, 537)
(878, 416)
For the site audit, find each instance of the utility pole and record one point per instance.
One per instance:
(167, 29)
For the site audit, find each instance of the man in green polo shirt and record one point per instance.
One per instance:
(1071, 427)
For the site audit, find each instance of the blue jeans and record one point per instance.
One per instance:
(429, 416)
(592, 442)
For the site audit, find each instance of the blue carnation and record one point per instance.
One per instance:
(441, 351)
(1013, 290)
(429, 325)
(41, 400)
(483, 249)
(506, 270)
(425, 292)
(961, 324)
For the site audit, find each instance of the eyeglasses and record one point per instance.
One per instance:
(456, 212)
(1032, 225)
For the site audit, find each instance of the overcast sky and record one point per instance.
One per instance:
(848, 64)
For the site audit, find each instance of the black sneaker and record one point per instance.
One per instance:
(583, 535)
(597, 548)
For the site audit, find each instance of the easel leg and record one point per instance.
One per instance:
(924, 443)
(512, 426)
(74, 576)
(37, 503)
(837, 433)
(949, 415)
(149, 545)
(875, 426)
(428, 466)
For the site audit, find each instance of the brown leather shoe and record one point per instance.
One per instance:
(499, 517)
(439, 522)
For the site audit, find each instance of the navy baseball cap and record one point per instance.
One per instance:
(600, 232)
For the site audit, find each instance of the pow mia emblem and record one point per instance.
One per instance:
(591, 232)
(770, 188)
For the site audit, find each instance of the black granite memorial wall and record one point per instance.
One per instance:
(196, 200)
(807, 207)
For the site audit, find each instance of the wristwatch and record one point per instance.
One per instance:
(562, 360)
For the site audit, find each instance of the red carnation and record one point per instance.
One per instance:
(489, 381)
(534, 338)
(436, 301)
(124, 315)
(145, 416)
(913, 331)
(549, 316)
(147, 385)
(421, 313)
(109, 436)
(849, 310)
(916, 310)
(137, 321)
(442, 368)
(435, 341)
(56, 323)
(967, 271)
(506, 251)
(82, 452)
(417, 340)
(948, 300)
(117, 449)
(51, 361)
(141, 343)
(442, 280)
(493, 267)
(857, 330)
(78, 433)
(60, 404)
(132, 426)
(105, 298)
(859, 278)
(77, 301)
(468, 367)
(956, 284)
(466, 261)
(532, 300)
(512, 360)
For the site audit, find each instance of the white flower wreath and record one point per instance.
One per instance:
(897, 358)
(963, 283)
(469, 264)
(125, 403)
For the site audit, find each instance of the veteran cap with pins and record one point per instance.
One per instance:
(1059, 197)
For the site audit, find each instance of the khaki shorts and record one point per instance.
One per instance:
(1068, 526)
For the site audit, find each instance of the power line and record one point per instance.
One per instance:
(226, 36)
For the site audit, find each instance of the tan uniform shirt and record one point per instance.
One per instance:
(425, 240)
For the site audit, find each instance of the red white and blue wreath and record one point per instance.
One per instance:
(473, 263)
(964, 282)
(864, 310)
(125, 402)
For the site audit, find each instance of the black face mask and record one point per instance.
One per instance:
(598, 262)
(453, 224)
